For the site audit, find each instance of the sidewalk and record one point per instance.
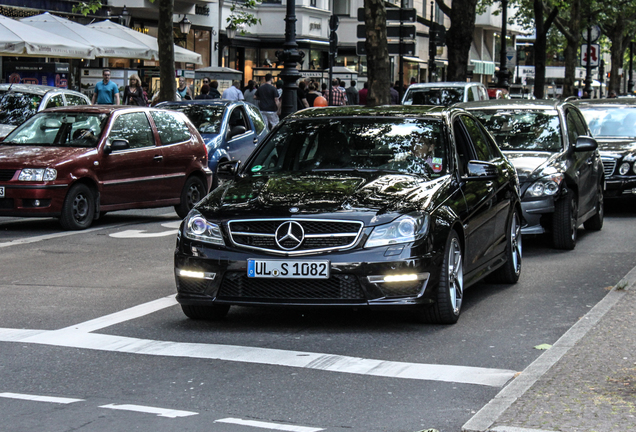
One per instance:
(585, 383)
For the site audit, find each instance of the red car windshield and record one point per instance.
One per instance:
(59, 130)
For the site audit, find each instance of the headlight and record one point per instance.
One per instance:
(198, 228)
(624, 168)
(404, 229)
(546, 186)
(37, 174)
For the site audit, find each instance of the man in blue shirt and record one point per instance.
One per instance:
(106, 92)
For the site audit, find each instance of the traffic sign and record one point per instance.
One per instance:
(394, 14)
(407, 31)
(408, 48)
(511, 57)
(595, 50)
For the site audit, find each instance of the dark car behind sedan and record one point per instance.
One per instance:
(396, 207)
(77, 163)
(613, 124)
(557, 161)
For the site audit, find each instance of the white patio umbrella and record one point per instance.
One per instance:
(23, 40)
(120, 31)
(104, 45)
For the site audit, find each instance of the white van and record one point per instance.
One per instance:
(444, 93)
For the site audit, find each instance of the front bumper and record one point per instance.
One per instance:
(533, 211)
(352, 282)
(32, 199)
(616, 186)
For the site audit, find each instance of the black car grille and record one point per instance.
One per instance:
(609, 165)
(191, 285)
(338, 288)
(6, 174)
(317, 235)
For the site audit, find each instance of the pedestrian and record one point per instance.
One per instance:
(612, 94)
(205, 93)
(395, 96)
(302, 96)
(352, 94)
(323, 89)
(184, 90)
(313, 93)
(233, 92)
(362, 94)
(249, 93)
(134, 93)
(279, 88)
(268, 101)
(106, 91)
(214, 90)
(335, 96)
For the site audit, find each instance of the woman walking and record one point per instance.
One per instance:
(134, 93)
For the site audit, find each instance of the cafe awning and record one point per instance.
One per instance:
(122, 32)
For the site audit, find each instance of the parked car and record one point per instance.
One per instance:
(557, 161)
(18, 102)
(613, 124)
(76, 163)
(355, 207)
(444, 93)
(231, 129)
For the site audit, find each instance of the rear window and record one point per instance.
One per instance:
(15, 108)
(434, 96)
(171, 128)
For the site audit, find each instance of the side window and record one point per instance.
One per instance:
(171, 127)
(464, 149)
(257, 118)
(72, 99)
(571, 125)
(55, 101)
(238, 118)
(493, 148)
(481, 144)
(581, 125)
(470, 93)
(133, 127)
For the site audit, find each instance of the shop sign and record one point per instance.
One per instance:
(201, 10)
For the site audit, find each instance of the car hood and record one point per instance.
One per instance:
(616, 146)
(373, 197)
(18, 156)
(5, 129)
(529, 165)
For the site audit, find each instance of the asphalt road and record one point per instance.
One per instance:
(92, 340)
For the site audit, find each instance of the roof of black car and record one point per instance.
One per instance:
(537, 104)
(378, 111)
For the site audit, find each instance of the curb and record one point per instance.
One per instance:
(485, 417)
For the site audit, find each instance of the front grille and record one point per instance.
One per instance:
(192, 285)
(317, 235)
(6, 174)
(609, 165)
(338, 288)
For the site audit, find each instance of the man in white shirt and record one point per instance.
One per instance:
(233, 92)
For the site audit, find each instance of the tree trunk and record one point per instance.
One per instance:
(165, 41)
(573, 37)
(616, 34)
(460, 37)
(378, 65)
(540, 45)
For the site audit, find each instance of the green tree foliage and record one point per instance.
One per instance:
(241, 16)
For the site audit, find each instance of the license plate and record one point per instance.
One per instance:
(287, 269)
(1, 191)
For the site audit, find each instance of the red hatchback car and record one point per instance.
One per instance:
(76, 163)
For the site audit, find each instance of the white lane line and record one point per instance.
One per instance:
(36, 239)
(143, 234)
(124, 315)
(297, 359)
(160, 412)
(36, 398)
(267, 425)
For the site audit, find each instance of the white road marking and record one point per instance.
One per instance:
(160, 412)
(48, 237)
(267, 425)
(144, 234)
(36, 398)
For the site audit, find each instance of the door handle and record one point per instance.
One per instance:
(255, 140)
(489, 186)
(157, 158)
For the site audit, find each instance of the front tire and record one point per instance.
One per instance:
(78, 210)
(564, 222)
(193, 191)
(595, 223)
(208, 313)
(509, 273)
(450, 290)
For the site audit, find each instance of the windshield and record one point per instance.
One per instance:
(206, 118)
(413, 146)
(523, 129)
(611, 121)
(15, 108)
(59, 129)
(434, 96)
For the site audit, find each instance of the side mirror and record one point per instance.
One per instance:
(480, 170)
(227, 170)
(235, 131)
(585, 144)
(118, 144)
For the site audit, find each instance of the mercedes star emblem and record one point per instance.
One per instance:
(289, 235)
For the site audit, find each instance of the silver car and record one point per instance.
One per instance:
(444, 93)
(19, 102)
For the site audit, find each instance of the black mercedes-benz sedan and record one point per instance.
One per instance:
(613, 124)
(557, 161)
(401, 206)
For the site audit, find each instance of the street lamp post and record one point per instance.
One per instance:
(587, 89)
(502, 75)
(290, 56)
(630, 83)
